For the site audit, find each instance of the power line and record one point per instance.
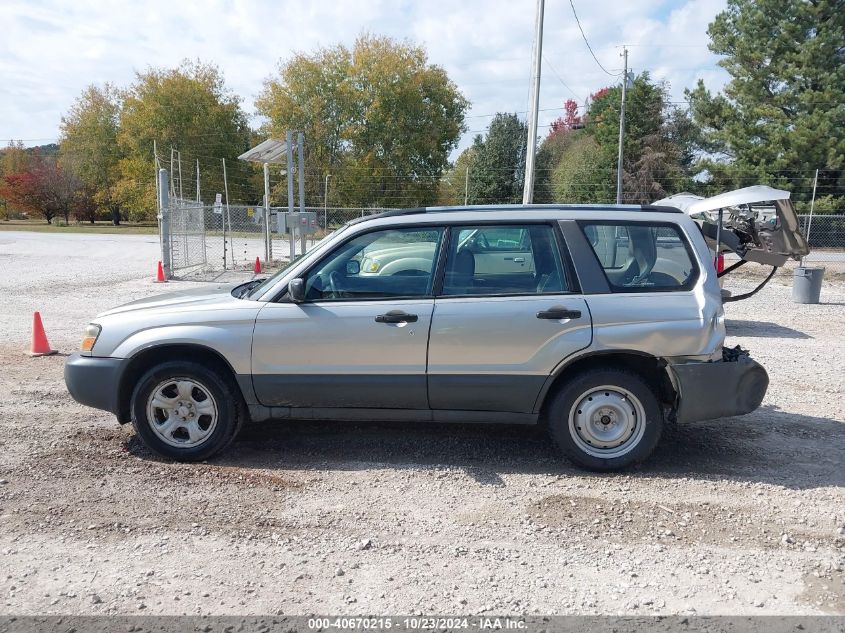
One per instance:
(580, 28)
(560, 79)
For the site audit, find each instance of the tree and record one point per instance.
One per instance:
(499, 163)
(576, 176)
(43, 188)
(569, 121)
(85, 204)
(558, 141)
(89, 149)
(781, 114)
(657, 148)
(453, 187)
(379, 117)
(14, 159)
(189, 109)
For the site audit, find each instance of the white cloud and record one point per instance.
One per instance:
(52, 49)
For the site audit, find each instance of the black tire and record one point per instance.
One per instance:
(575, 443)
(230, 412)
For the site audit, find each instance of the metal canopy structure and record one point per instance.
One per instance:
(268, 152)
(274, 151)
(271, 151)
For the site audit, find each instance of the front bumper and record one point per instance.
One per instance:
(718, 389)
(94, 381)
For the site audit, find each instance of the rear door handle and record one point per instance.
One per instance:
(397, 316)
(557, 313)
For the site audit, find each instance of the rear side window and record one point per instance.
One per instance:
(504, 260)
(642, 256)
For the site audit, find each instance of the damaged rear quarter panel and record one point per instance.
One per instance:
(660, 324)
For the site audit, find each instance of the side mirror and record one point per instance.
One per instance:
(353, 267)
(296, 290)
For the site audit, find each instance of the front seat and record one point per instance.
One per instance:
(460, 273)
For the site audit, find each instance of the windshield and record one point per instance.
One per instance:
(258, 289)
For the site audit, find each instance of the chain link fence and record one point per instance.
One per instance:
(187, 234)
(208, 242)
(826, 233)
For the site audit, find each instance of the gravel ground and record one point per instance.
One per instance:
(738, 516)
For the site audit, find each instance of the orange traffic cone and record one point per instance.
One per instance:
(160, 275)
(40, 345)
(257, 268)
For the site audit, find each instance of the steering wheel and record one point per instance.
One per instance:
(333, 285)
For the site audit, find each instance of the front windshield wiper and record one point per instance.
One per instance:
(248, 287)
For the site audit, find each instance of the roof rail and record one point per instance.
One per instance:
(518, 207)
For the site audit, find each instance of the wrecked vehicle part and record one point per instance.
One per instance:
(733, 386)
(758, 223)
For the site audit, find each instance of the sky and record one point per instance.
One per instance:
(51, 50)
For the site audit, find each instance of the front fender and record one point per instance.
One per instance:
(233, 341)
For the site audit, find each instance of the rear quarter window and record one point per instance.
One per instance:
(642, 256)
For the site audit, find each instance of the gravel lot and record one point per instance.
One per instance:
(739, 516)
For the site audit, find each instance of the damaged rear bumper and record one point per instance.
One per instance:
(733, 386)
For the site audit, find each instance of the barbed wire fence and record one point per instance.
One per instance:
(218, 227)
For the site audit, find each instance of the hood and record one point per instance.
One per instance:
(759, 223)
(193, 297)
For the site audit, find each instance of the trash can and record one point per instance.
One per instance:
(807, 284)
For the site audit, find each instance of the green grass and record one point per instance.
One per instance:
(98, 227)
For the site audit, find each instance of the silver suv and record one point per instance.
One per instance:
(601, 323)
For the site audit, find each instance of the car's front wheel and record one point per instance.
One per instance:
(606, 419)
(185, 411)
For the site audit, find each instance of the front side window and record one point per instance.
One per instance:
(642, 256)
(504, 259)
(387, 264)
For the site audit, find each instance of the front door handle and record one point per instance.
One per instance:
(397, 316)
(557, 313)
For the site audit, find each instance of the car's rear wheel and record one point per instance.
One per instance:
(185, 411)
(606, 419)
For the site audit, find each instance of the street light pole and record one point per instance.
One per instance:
(621, 128)
(530, 147)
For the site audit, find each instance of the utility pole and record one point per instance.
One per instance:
(621, 128)
(466, 187)
(198, 181)
(534, 106)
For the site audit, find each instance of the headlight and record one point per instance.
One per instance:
(371, 266)
(92, 331)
